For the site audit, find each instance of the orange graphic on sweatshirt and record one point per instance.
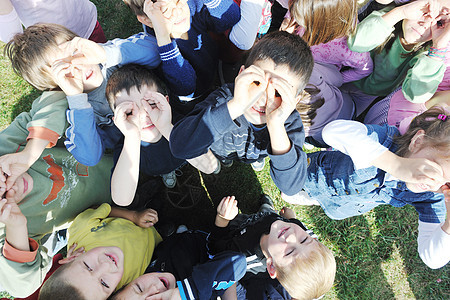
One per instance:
(56, 177)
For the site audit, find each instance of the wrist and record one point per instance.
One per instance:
(234, 109)
(221, 222)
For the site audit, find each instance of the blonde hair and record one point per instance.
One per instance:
(309, 277)
(30, 52)
(324, 20)
(436, 124)
(137, 6)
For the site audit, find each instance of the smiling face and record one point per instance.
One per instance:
(20, 189)
(91, 73)
(285, 243)
(149, 132)
(257, 113)
(148, 285)
(97, 272)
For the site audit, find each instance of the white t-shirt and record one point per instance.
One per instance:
(80, 16)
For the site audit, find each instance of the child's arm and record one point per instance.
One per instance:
(83, 140)
(178, 72)
(23, 263)
(161, 115)
(243, 34)
(126, 172)
(287, 159)
(144, 219)
(351, 138)
(140, 49)
(423, 79)
(434, 239)
(223, 14)
(9, 21)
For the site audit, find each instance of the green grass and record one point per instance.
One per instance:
(376, 253)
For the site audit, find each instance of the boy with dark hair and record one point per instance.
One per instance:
(188, 54)
(144, 116)
(256, 116)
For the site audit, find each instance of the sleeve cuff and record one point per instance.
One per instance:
(43, 134)
(169, 51)
(284, 161)
(113, 55)
(19, 256)
(79, 101)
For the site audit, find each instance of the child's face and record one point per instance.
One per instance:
(285, 242)
(177, 16)
(148, 285)
(257, 113)
(437, 156)
(97, 272)
(149, 132)
(91, 73)
(20, 189)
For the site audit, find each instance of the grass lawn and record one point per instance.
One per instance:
(376, 253)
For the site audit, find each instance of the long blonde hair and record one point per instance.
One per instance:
(324, 20)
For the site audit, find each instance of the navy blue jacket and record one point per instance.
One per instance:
(209, 126)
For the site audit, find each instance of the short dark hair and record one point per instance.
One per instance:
(287, 49)
(129, 76)
(58, 288)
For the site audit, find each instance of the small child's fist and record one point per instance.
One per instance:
(146, 218)
(227, 208)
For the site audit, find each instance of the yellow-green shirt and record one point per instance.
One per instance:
(93, 228)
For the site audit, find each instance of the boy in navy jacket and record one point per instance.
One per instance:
(256, 116)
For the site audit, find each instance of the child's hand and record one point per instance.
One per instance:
(440, 33)
(68, 77)
(420, 171)
(158, 108)
(10, 214)
(146, 218)
(281, 101)
(227, 210)
(420, 9)
(126, 118)
(250, 86)
(287, 213)
(83, 51)
(13, 165)
(161, 16)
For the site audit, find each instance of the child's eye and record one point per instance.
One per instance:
(306, 238)
(104, 284)
(277, 94)
(289, 253)
(87, 267)
(139, 288)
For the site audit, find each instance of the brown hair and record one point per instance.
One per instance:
(137, 6)
(436, 124)
(309, 104)
(309, 277)
(30, 52)
(56, 287)
(324, 20)
(129, 76)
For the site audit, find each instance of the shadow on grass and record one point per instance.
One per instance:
(197, 195)
(402, 224)
(24, 103)
(359, 274)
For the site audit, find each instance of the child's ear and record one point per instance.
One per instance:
(271, 268)
(145, 20)
(417, 141)
(167, 98)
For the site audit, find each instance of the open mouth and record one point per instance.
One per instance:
(149, 126)
(423, 187)
(165, 282)
(180, 22)
(25, 185)
(113, 258)
(283, 231)
(259, 110)
(89, 74)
